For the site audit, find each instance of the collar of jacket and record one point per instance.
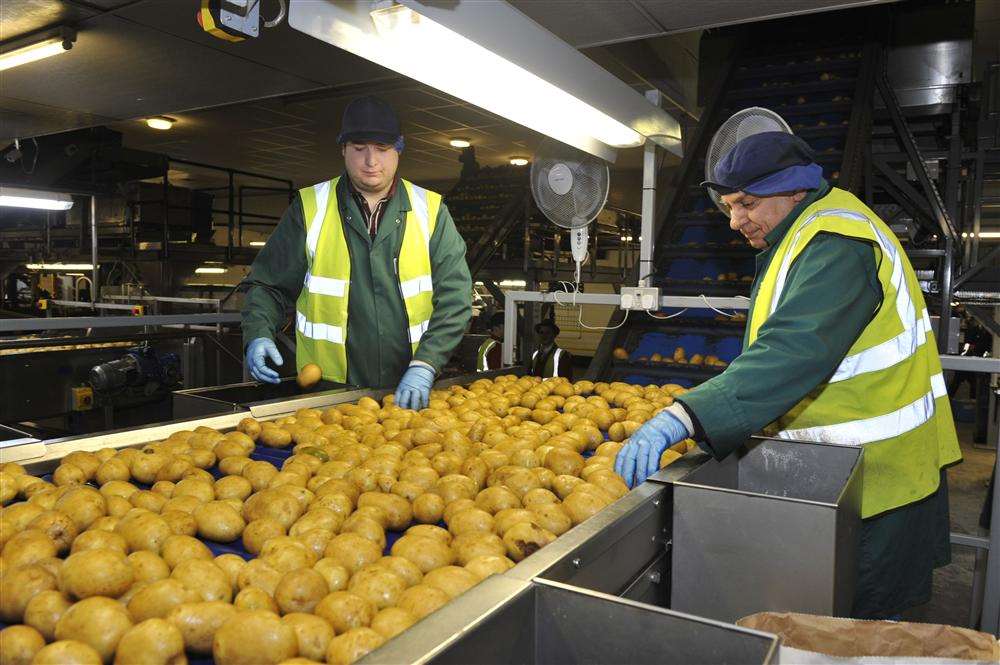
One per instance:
(778, 232)
(397, 207)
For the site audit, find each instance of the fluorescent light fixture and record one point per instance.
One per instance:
(45, 47)
(258, 243)
(60, 267)
(460, 143)
(493, 56)
(983, 234)
(518, 161)
(454, 62)
(210, 270)
(513, 283)
(160, 122)
(19, 197)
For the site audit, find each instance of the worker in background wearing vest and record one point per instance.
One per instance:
(838, 349)
(549, 360)
(490, 355)
(374, 266)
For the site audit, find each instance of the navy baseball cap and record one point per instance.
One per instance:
(765, 164)
(370, 119)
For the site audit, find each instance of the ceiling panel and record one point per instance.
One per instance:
(588, 22)
(23, 118)
(19, 17)
(675, 16)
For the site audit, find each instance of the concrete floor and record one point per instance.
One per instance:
(967, 485)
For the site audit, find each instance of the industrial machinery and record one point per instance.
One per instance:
(141, 373)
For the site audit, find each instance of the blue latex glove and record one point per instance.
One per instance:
(414, 390)
(258, 351)
(640, 458)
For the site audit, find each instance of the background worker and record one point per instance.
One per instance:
(490, 354)
(838, 349)
(549, 360)
(374, 265)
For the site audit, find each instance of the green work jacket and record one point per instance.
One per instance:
(378, 347)
(831, 294)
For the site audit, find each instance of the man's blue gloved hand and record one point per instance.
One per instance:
(414, 391)
(258, 351)
(640, 458)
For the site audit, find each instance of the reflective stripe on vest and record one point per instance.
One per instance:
(551, 367)
(322, 307)
(482, 360)
(887, 393)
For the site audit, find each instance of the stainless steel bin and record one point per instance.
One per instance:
(551, 623)
(772, 527)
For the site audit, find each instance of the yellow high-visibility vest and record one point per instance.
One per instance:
(321, 309)
(482, 363)
(888, 393)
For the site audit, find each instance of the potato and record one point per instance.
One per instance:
(97, 572)
(453, 580)
(484, 566)
(204, 578)
(255, 637)
(154, 641)
(552, 517)
(392, 621)
(231, 565)
(233, 487)
(145, 466)
(151, 501)
(185, 503)
(259, 532)
(274, 437)
(428, 508)
(312, 634)
(317, 518)
(562, 461)
(147, 567)
(98, 621)
(68, 474)
(181, 548)
(218, 521)
(67, 652)
(15, 519)
(272, 503)
(469, 521)
(144, 532)
(422, 599)
(524, 539)
(250, 427)
(352, 645)
(19, 644)
(44, 610)
(198, 623)
(537, 496)
(335, 575)
(27, 547)
(352, 551)
(253, 598)
(582, 505)
(99, 540)
(260, 574)
(180, 523)
(157, 599)
(286, 554)
(495, 499)
(456, 507)
(377, 584)
(300, 590)
(233, 465)
(426, 553)
(202, 490)
(58, 526)
(345, 610)
(397, 509)
(564, 484)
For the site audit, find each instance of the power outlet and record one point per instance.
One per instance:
(640, 298)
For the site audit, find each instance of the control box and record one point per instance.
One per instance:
(641, 298)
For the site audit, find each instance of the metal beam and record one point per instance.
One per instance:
(985, 317)
(905, 138)
(75, 322)
(494, 290)
(912, 200)
(978, 268)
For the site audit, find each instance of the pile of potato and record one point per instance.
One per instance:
(96, 568)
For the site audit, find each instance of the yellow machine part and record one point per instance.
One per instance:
(83, 398)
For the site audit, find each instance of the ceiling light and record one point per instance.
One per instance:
(492, 56)
(19, 197)
(43, 48)
(160, 122)
(518, 161)
(460, 143)
(61, 267)
(258, 243)
(512, 283)
(983, 234)
(211, 270)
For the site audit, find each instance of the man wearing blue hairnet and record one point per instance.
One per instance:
(838, 349)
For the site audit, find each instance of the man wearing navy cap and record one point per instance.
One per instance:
(374, 265)
(838, 349)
